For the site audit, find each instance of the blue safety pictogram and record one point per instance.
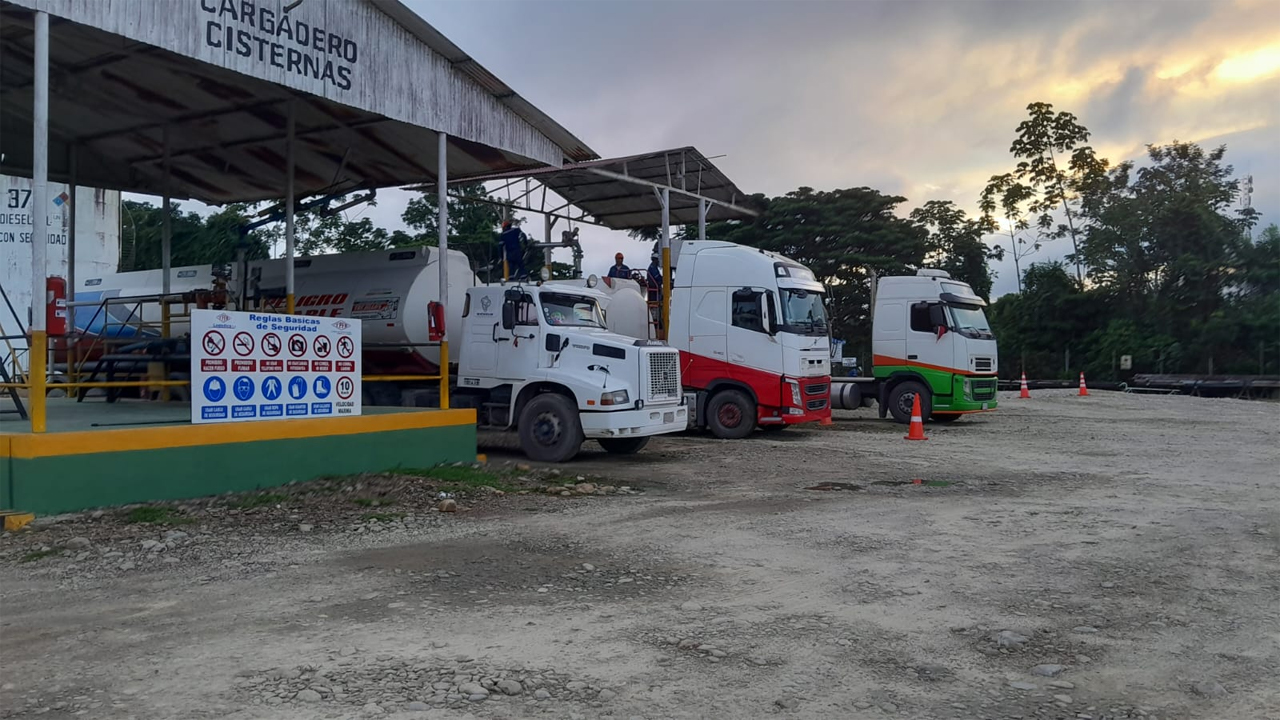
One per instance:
(321, 387)
(214, 389)
(271, 388)
(297, 387)
(243, 388)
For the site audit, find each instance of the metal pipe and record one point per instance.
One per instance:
(105, 384)
(288, 209)
(666, 263)
(442, 220)
(39, 222)
(166, 224)
(72, 190)
(702, 219)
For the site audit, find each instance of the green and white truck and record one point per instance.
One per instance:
(929, 337)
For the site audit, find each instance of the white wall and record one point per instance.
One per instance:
(97, 243)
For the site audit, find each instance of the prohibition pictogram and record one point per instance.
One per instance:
(346, 346)
(214, 342)
(321, 346)
(271, 344)
(243, 343)
(297, 345)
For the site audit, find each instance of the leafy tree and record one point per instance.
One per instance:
(195, 240)
(1055, 166)
(1164, 239)
(1011, 197)
(955, 244)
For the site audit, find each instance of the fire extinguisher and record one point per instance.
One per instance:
(55, 318)
(435, 322)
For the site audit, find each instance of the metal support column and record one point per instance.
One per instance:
(72, 190)
(703, 206)
(39, 222)
(548, 223)
(291, 134)
(442, 219)
(166, 223)
(666, 262)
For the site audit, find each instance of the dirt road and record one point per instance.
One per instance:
(1106, 557)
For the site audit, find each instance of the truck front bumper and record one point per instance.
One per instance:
(635, 423)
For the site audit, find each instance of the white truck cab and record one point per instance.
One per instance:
(539, 360)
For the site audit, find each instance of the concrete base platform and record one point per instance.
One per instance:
(98, 454)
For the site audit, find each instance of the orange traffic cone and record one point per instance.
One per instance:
(917, 423)
(1025, 392)
(1084, 391)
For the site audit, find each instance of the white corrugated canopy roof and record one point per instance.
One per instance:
(112, 97)
(618, 193)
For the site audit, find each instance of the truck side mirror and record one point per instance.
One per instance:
(508, 314)
(938, 316)
(771, 314)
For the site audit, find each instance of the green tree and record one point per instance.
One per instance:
(1003, 194)
(955, 244)
(195, 239)
(1164, 239)
(1056, 165)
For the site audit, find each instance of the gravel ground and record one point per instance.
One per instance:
(1104, 557)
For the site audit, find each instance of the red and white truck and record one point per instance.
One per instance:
(752, 333)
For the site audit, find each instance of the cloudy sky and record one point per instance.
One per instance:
(915, 98)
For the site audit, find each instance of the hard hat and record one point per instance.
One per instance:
(506, 224)
(618, 256)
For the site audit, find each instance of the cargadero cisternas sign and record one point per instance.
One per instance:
(281, 40)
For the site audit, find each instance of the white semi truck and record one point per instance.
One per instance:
(752, 333)
(595, 385)
(930, 337)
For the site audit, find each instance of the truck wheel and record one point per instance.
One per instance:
(550, 430)
(623, 446)
(731, 415)
(948, 418)
(902, 396)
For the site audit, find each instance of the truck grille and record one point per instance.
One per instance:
(818, 404)
(815, 389)
(984, 389)
(664, 376)
(982, 364)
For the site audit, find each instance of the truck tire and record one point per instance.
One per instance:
(900, 400)
(550, 430)
(623, 446)
(731, 415)
(947, 418)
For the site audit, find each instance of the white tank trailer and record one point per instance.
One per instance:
(387, 290)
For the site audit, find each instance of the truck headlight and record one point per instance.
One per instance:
(968, 389)
(618, 397)
(795, 392)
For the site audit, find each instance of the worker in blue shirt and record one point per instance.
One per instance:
(619, 269)
(513, 240)
(655, 278)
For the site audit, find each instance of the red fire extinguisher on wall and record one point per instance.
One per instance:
(55, 308)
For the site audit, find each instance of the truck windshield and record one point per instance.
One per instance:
(970, 322)
(573, 310)
(803, 312)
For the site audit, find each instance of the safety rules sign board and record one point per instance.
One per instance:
(259, 366)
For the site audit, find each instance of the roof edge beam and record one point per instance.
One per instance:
(659, 186)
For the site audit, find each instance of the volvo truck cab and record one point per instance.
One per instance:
(539, 360)
(930, 337)
(753, 338)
